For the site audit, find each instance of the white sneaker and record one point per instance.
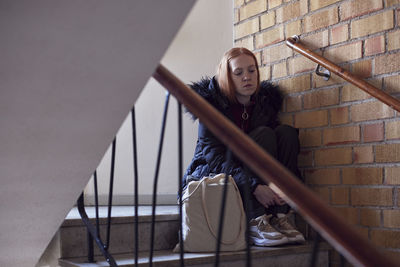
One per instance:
(263, 234)
(281, 224)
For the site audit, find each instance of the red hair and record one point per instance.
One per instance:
(224, 72)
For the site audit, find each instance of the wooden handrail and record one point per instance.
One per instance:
(293, 42)
(335, 229)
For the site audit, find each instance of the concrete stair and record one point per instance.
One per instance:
(73, 247)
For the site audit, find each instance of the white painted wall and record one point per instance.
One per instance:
(196, 50)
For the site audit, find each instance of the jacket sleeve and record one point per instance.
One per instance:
(215, 154)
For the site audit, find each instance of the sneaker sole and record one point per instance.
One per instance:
(269, 243)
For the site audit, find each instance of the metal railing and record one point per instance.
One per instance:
(294, 43)
(340, 234)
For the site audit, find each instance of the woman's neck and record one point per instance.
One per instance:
(244, 100)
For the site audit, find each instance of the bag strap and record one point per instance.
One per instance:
(204, 205)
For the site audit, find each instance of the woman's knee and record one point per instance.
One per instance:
(287, 133)
(266, 138)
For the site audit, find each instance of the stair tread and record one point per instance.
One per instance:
(121, 214)
(167, 256)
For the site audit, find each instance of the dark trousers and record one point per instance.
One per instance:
(283, 144)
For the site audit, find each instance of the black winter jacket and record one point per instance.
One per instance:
(210, 153)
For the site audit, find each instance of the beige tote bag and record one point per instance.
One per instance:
(201, 214)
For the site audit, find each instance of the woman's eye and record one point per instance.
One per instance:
(238, 73)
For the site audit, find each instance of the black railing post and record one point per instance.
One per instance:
(90, 247)
(153, 216)
(110, 195)
(93, 231)
(180, 175)
(136, 186)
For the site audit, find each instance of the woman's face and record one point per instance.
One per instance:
(244, 77)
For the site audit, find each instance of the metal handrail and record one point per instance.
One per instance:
(338, 232)
(293, 42)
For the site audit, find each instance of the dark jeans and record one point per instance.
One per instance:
(283, 144)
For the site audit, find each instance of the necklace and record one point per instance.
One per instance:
(245, 115)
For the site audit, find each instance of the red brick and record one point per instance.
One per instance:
(291, 11)
(391, 218)
(279, 70)
(363, 154)
(311, 119)
(322, 192)
(245, 42)
(394, 40)
(375, 45)
(386, 238)
(392, 2)
(351, 214)
(276, 53)
(372, 24)
(322, 176)
(246, 28)
(300, 64)
(305, 158)
(274, 3)
(392, 175)
(310, 138)
(293, 28)
(340, 195)
(371, 196)
(265, 73)
(362, 176)
(370, 217)
(321, 98)
(370, 111)
(344, 53)
(339, 115)
(268, 37)
(373, 132)
(316, 41)
(295, 84)
(387, 63)
(387, 153)
(252, 9)
(353, 93)
(321, 19)
(340, 34)
(341, 135)
(392, 130)
(314, 5)
(358, 7)
(392, 83)
(293, 103)
(333, 156)
(362, 69)
(267, 20)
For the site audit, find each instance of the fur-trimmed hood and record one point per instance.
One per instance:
(268, 95)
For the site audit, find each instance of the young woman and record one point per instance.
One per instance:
(236, 91)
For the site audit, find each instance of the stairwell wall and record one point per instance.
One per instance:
(350, 141)
(195, 52)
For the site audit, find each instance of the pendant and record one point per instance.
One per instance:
(245, 115)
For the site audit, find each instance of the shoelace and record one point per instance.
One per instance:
(264, 225)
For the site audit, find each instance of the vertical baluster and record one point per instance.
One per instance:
(136, 185)
(314, 255)
(222, 212)
(153, 216)
(246, 208)
(110, 195)
(96, 203)
(180, 175)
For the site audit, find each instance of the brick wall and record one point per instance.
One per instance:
(350, 141)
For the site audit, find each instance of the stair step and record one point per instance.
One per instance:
(289, 255)
(73, 232)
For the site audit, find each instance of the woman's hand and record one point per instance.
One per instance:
(267, 197)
